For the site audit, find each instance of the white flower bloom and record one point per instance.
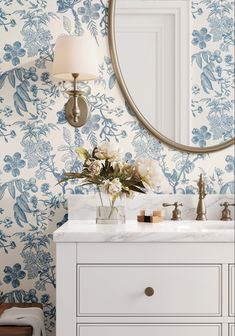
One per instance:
(116, 165)
(149, 172)
(94, 167)
(108, 151)
(112, 187)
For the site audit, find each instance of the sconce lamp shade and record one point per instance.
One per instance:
(75, 54)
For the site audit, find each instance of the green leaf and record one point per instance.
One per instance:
(64, 180)
(83, 153)
(114, 198)
(134, 188)
(73, 175)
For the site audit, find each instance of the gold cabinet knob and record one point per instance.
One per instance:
(149, 291)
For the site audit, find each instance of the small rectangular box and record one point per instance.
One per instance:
(149, 219)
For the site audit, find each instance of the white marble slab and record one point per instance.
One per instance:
(84, 206)
(166, 231)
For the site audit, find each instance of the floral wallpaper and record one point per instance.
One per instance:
(213, 72)
(37, 144)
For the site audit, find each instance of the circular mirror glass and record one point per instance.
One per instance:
(175, 75)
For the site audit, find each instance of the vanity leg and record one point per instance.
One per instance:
(66, 289)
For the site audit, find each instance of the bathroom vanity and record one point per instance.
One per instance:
(166, 279)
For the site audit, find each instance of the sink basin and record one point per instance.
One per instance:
(223, 225)
(206, 225)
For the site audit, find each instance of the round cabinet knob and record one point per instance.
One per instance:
(149, 291)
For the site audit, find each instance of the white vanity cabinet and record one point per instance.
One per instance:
(165, 279)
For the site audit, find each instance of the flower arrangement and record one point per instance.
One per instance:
(104, 168)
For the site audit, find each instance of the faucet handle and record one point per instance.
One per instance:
(176, 204)
(176, 213)
(226, 212)
(227, 204)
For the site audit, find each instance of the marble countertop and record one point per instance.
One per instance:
(131, 231)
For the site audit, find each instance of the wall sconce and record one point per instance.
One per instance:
(75, 59)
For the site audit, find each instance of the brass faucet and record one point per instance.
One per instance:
(226, 213)
(201, 207)
(176, 213)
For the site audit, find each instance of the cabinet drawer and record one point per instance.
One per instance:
(231, 290)
(150, 330)
(179, 290)
(231, 330)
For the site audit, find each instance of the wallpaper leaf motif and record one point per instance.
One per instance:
(37, 144)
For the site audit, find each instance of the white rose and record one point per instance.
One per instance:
(108, 151)
(94, 167)
(113, 187)
(149, 172)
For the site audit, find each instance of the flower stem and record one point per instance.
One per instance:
(112, 207)
(101, 200)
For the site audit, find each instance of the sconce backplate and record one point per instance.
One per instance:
(84, 112)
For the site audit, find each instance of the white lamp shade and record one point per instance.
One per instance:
(75, 54)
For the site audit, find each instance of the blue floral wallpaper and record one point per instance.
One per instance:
(213, 72)
(37, 144)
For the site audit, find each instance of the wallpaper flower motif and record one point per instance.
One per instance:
(201, 37)
(13, 275)
(13, 164)
(37, 144)
(13, 53)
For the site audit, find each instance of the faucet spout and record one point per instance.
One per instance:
(201, 207)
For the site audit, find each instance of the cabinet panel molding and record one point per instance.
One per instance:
(150, 330)
(231, 329)
(160, 290)
(232, 290)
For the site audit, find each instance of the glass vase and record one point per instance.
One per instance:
(109, 213)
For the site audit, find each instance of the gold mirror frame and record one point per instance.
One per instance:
(134, 108)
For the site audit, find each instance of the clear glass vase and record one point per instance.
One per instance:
(108, 213)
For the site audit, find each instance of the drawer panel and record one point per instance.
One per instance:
(179, 290)
(231, 329)
(232, 290)
(155, 253)
(149, 330)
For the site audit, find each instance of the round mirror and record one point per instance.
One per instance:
(179, 87)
